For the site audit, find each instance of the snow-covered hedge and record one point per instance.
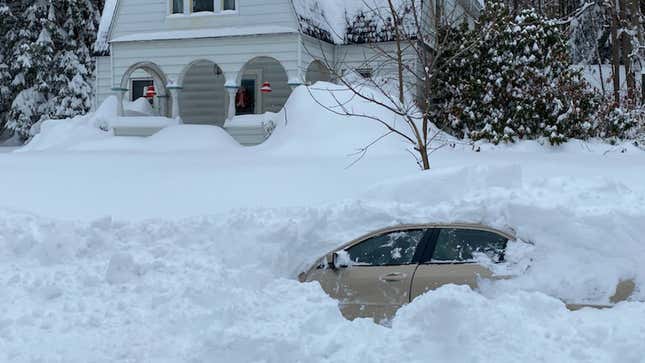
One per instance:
(510, 78)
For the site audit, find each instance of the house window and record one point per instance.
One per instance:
(364, 72)
(228, 5)
(139, 87)
(203, 5)
(177, 6)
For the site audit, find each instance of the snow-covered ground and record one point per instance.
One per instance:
(185, 247)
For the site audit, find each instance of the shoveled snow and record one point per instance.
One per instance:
(184, 247)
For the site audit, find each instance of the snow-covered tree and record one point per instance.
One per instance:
(33, 57)
(73, 63)
(7, 29)
(50, 62)
(516, 83)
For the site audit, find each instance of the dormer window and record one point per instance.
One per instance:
(203, 5)
(188, 7)
(229, 5)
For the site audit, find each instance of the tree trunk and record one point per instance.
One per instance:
(626, 48)
(399, 52)
(638, 28)
(425, 160)
(615, 51)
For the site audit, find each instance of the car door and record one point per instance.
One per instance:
(450, 258)
(376, 278)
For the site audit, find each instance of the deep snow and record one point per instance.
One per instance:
(184, 247)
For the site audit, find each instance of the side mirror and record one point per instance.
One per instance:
(335, 260)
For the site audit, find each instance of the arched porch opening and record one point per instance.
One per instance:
(136, 81)
(317, 72)
(203, 99)
(250, 99)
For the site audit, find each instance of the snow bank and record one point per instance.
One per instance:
(169, 139)
(63, 134)
(224, 286)
(310, 124)
(140, 107)
(313, 123)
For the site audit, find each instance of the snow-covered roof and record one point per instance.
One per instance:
(351, 21)
(335, 21)
(102, 45)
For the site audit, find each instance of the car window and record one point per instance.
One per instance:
(460, 245)
(394, 248)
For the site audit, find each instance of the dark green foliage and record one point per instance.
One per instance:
(46, 66)
(510, 78)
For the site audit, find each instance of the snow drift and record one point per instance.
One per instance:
(223, 287)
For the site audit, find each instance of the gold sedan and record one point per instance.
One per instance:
(374, 275)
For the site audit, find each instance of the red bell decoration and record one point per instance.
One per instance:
(150, 92)
(266, 88)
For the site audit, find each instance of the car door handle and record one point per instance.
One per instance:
(393, 277)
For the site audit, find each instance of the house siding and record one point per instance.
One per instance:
(230, 54)
(103, 81)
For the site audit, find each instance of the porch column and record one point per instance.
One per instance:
(232, 92)
(163, 105)
(175, 91)
(119, 92)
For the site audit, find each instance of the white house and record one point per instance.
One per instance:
(209, 59)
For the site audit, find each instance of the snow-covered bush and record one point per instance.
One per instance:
(619, 123)
(510, 78)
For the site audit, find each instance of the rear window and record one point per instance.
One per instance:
(461, 245)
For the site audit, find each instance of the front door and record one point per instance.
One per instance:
(378, 275)
(451, 258)
(245, 99)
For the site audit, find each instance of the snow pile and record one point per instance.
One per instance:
(571, 222)
(169, 139)
(140, 107)
(65, 133)
(314, 122)
(224, 286)
(310, 123)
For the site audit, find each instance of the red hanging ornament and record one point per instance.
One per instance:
(266, 88)
(150, 92)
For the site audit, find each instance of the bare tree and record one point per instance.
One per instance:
(402, 49)
(638, 41)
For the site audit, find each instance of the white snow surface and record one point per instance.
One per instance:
(185, 247)
(139, 107)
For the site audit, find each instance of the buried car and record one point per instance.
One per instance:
(374, 275)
